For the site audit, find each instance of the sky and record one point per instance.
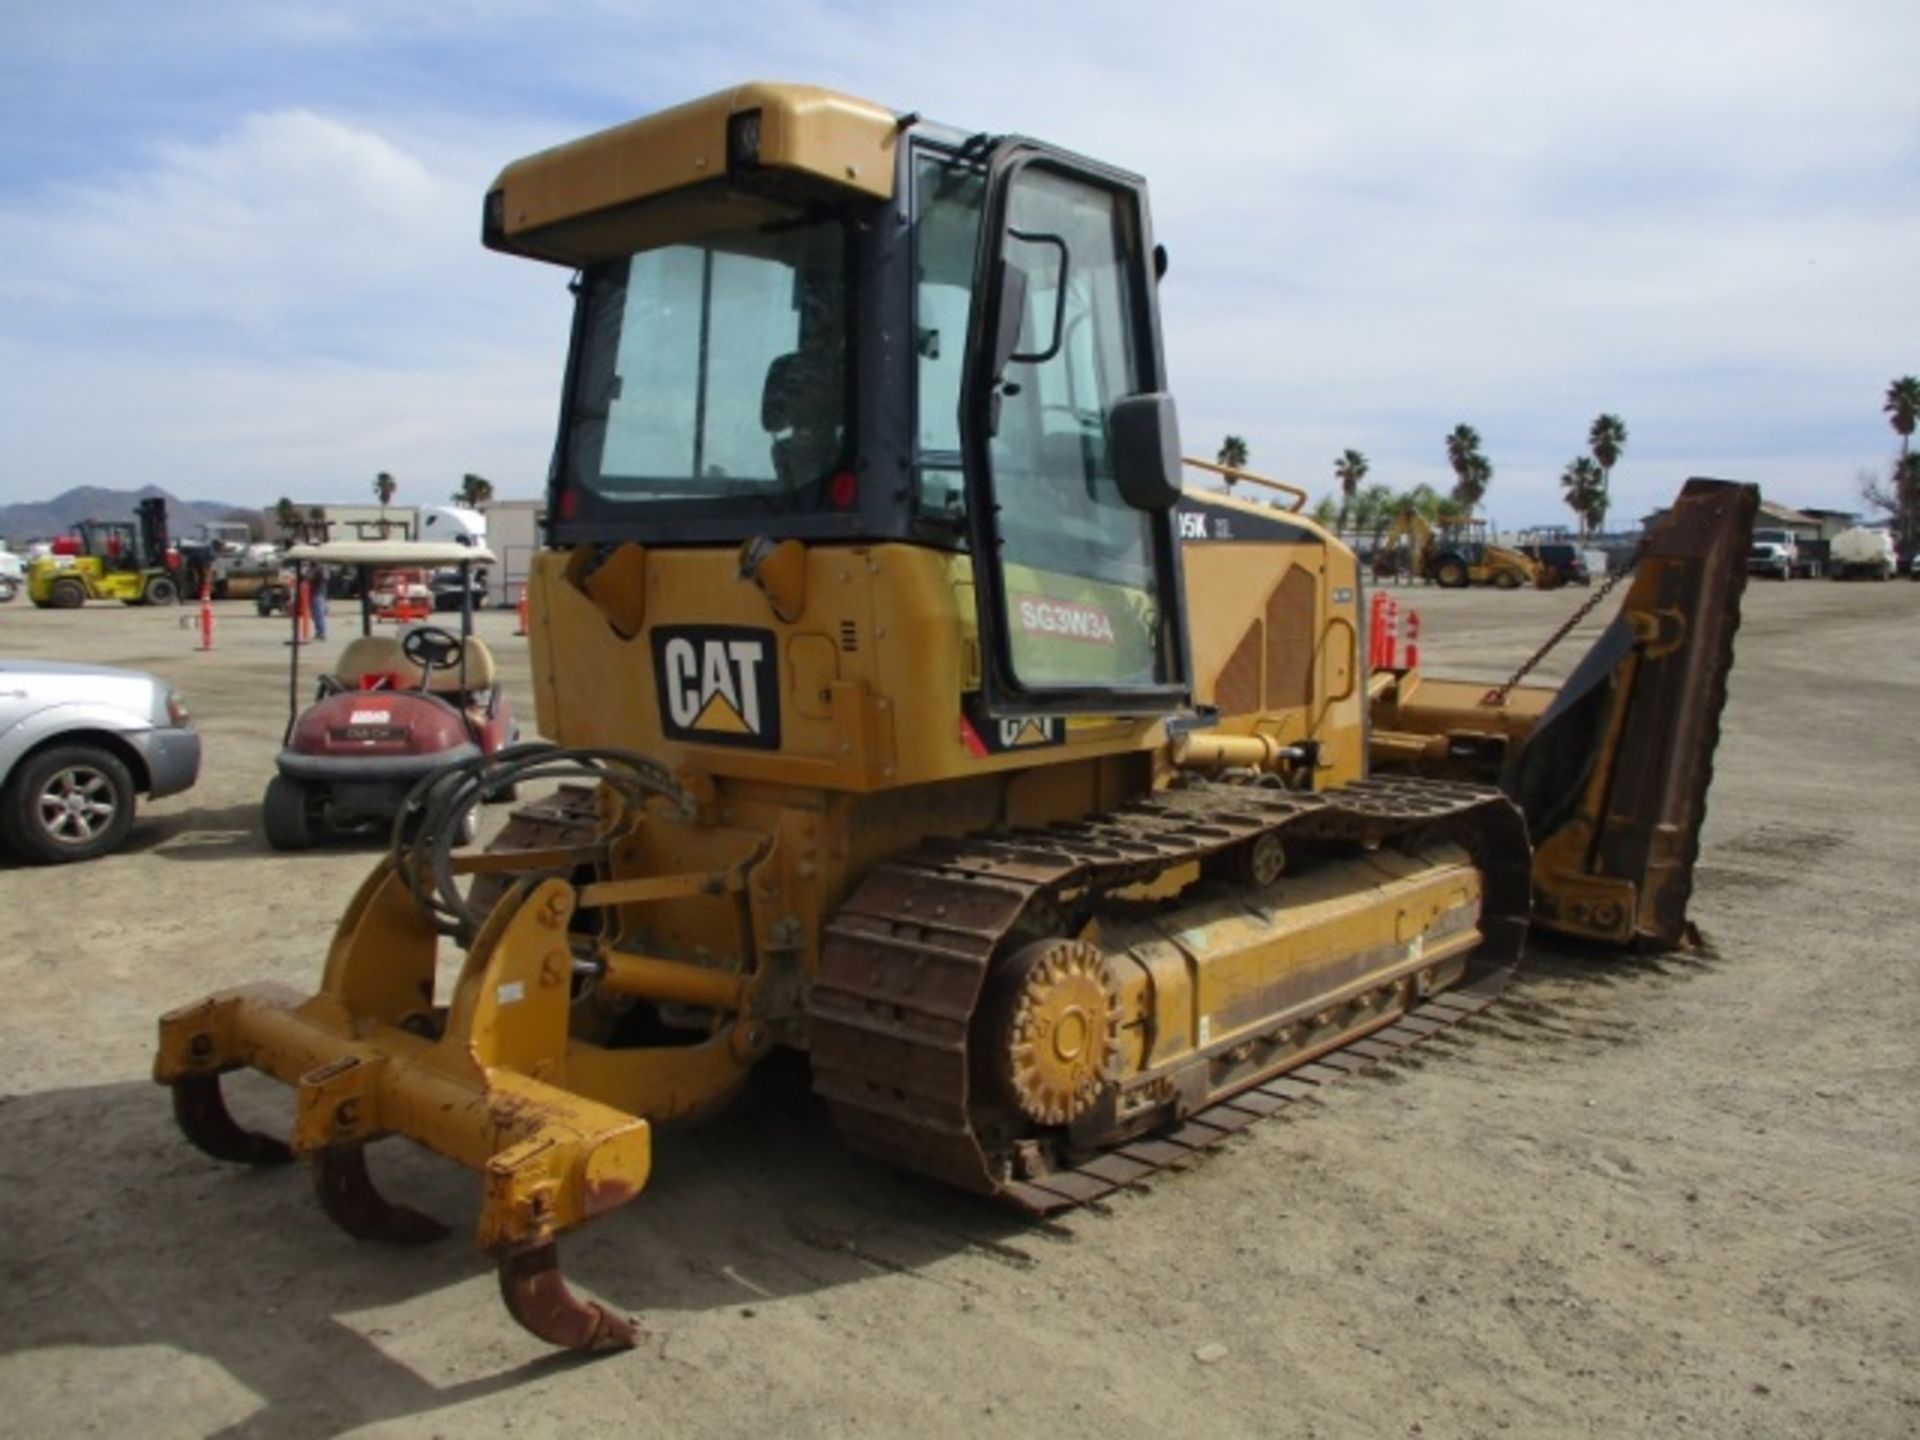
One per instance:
(241, 238)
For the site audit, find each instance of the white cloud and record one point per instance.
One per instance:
(1383, 220)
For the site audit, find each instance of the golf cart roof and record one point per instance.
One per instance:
(397, 553)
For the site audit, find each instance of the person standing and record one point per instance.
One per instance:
(317, 601)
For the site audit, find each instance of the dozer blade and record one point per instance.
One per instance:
(1611, 769)
(1613, 779)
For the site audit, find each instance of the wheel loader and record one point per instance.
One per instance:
(931, 727)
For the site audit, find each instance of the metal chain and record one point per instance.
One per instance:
(1498, 695)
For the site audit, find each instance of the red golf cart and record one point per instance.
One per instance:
(393, 709)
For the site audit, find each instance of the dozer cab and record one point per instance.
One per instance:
(110, 560)
(1455, 555)
(931, 729)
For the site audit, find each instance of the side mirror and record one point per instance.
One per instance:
(1144, 440)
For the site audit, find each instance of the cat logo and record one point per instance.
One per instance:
(984, 735)
(718, 684)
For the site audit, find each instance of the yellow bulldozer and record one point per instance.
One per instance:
(1454, 556)
(930, 727)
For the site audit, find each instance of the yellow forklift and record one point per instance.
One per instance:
(109, 560)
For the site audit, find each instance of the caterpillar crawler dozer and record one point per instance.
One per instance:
(930, 728)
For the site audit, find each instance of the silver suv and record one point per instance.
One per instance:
(77, 744)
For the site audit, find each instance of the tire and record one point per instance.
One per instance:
(6, 591)
(69, 802)
(160, 590)
(66, 593)
(1450, 574)
(288, 812)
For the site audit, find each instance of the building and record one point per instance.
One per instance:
(1804, 524)
(1832, 522)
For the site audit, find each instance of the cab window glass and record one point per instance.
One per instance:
(947, 199)
(1081, 589)
(714, 372)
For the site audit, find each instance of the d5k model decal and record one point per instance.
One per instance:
(718, 684)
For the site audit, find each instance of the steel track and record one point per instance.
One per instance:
(906, 959)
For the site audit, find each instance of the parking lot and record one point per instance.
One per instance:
(1643, 1196)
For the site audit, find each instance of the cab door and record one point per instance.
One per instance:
(1071, 448)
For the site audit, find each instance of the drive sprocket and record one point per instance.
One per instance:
(1054, 1035)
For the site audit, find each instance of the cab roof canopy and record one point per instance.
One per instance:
(734, 160)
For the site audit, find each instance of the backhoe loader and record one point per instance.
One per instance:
(1456, 555)
(931, 727)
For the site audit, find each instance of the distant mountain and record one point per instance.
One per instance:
(44, 519)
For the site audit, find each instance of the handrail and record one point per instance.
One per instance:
(1232, 474)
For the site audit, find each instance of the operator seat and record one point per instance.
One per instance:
(802, 396)
(368, 656)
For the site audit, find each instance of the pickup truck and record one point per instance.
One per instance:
(1773, 552)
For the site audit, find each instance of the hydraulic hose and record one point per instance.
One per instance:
(434, 814)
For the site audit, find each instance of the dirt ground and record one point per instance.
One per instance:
(1638, 1198)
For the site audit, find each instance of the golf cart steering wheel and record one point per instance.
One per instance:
(431, 648)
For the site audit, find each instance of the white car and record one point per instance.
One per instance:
(78, 743)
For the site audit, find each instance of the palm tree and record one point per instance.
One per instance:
(1233, 455)
(286, 515)
(1326, 514)
(384, 485)
(1350, 469)
(1372, 511)
(1584, 484)
(1607, 437)
(1472, 486)
(1903, 407)
(1463, 448)
(1422, 500)
(474, 491)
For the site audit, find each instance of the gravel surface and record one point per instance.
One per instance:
(1641, 1197)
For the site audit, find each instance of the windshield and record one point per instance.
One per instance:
(714, 372)
(1081, 595)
